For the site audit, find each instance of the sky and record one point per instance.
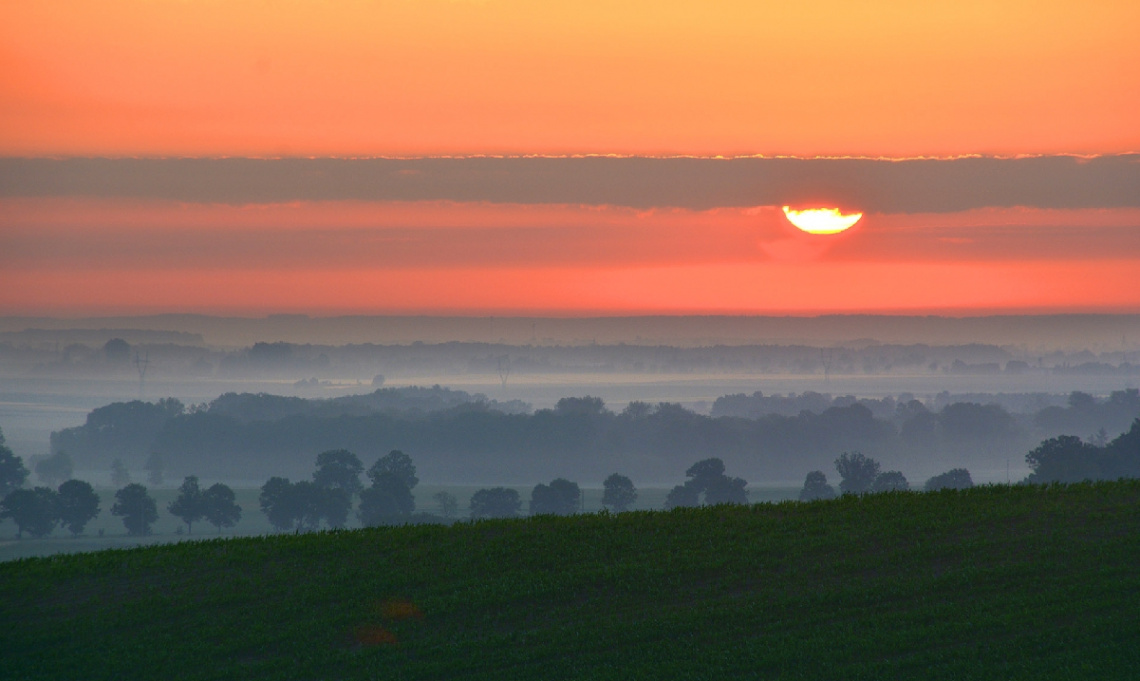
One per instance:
(553, 157)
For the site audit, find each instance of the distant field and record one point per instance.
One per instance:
(253, 521)
(992, 583)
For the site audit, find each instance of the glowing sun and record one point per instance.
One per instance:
(821, 220)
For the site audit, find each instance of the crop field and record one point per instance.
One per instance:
(997, 582)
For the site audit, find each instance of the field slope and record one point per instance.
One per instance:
(996, 582)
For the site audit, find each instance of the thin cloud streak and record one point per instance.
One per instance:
(72, 234)
(873, 186)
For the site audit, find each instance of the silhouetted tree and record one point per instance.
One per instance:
(137, 509)
(707, 477)
(279, 504)
(619, 493)
(154, 467)
(704, 472)
(339, 469)
(560, 497)
(496, 502)
(683, 496)
(188, 504)
(1121, 457)
(1064, 459)
(726, 490)
(816, 487)
(77, 505)
(54, 469)
(958, 478)
(398, 464)
(120, 476)
(219, 506)
(33, 510)
(13, 474)
(858, 472)
(387, 499)
(891, 481)
(332, 505)
(117, 351)
(309, 504)
(448, 504)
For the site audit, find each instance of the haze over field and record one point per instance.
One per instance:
(581, 222)
(57, 377)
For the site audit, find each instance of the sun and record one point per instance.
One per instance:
(821, 220)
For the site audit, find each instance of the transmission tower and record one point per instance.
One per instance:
(826, 359)
(141, 363)
(504, 369)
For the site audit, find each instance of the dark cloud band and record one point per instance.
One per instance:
(909, 186)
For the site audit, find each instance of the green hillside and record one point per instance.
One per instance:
(995, 582)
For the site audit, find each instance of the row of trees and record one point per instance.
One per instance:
(328, 498)
(38, 511)
(861, 474)
(74, 503)
(336, 482)
(1060, 459)
(1069, 459)
(559, 497)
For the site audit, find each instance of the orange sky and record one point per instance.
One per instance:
(414, 77)
(100, 256)
(358, 78)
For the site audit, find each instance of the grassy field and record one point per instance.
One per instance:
(107, 531)
(992, 583)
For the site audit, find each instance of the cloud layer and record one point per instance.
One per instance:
(880, 186)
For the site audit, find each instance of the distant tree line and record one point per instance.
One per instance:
(327, 499)
(74, 503)
(1069, 459)
(251, 435)
(861, 474)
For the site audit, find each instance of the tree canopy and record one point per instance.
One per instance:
(890, 481)
(857, 471)
(77, 505)
(388, 498)
(33, 510)
(397, 463)
(137, 508)
(560, 497)
(339, 469)
(188, 504)
(13, 474)
(816, 487)
(54, 469)
(496, 502)
(219, 506)
(957, 478)
(619, 492)
(303, 504)
(707, 478)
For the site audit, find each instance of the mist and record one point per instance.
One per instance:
(518, 400)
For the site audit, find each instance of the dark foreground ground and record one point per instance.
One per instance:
(997, 582)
